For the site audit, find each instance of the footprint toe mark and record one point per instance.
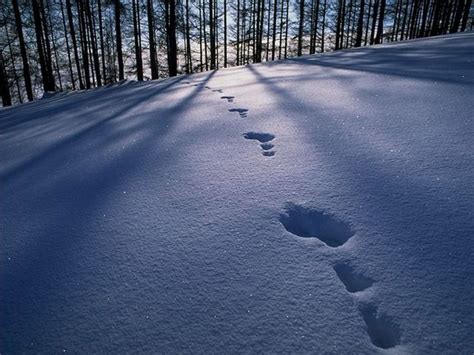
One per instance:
(228, 98)
(382, 329)
(241, 111)
(266, 146)
(259, 136)
(354, 281)
(312, 223)
(268, 153)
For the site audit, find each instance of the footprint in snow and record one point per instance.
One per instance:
(306, 222)
(264, 139)
(352, 280)
(241, 111)
(383, 331)
(217, 90)
(228, 98)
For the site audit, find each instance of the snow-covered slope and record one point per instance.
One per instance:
(322, 205)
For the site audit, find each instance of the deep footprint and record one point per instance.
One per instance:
(311, 223)
(242, 111)
(259, 136)
(353, 281)
(228, 98)
(383, 331)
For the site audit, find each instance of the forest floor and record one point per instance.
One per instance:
(320, 204)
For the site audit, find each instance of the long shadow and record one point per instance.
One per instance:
(32, 284)
(405, 60)
(382, 178)
(133, 100)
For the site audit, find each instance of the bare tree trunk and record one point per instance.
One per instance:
(238, 33)
(212, 34)
(101, 34)
(67, 47)
(171, 35)
(360, 24)
(467, 7)
(300, 29)
(378, 38)
(374, 21)
(48, 54)
(24, 57)
(225, 33)
(54, 51)
(118, 33)
(286, 26)
(323, 33)
(47, 85)
(151, 36)
(4, 87)
(138, 49)
(74, 42)
(12, 59)
(281, 28)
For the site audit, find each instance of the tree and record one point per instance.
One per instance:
(24, 57)
(360, 24)
(151, 39)
(136, 36)
(170, 8)
(4, 87)
(300, 29)
(378, 38)
(118, 33)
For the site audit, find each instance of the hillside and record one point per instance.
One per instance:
(321, 204)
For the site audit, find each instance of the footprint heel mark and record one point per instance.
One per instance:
(354, 281)
(312, 223)
(382, 329)
(241, 111)
(228, 98)
(264, 139)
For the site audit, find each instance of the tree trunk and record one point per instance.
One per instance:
(48, 53)
(467, 7)
(323, 30)
(24, 57)
(225, 33)
(378, 38)
(118, 33)
(151, 36)
(74, 42)
(171, 35)
(287, 23)
(360, 24)
(138, 49)
(101, 34)
(300, 29)
(47, 85)
(4, 87)
(374, 21)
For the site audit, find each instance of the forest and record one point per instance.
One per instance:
(62, 45)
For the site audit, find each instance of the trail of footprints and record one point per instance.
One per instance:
(305, 222)
(263, 138)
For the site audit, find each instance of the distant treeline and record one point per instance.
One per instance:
(56, 45)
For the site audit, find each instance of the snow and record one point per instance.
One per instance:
(147, 217)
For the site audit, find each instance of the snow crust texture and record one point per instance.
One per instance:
(322, 205)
